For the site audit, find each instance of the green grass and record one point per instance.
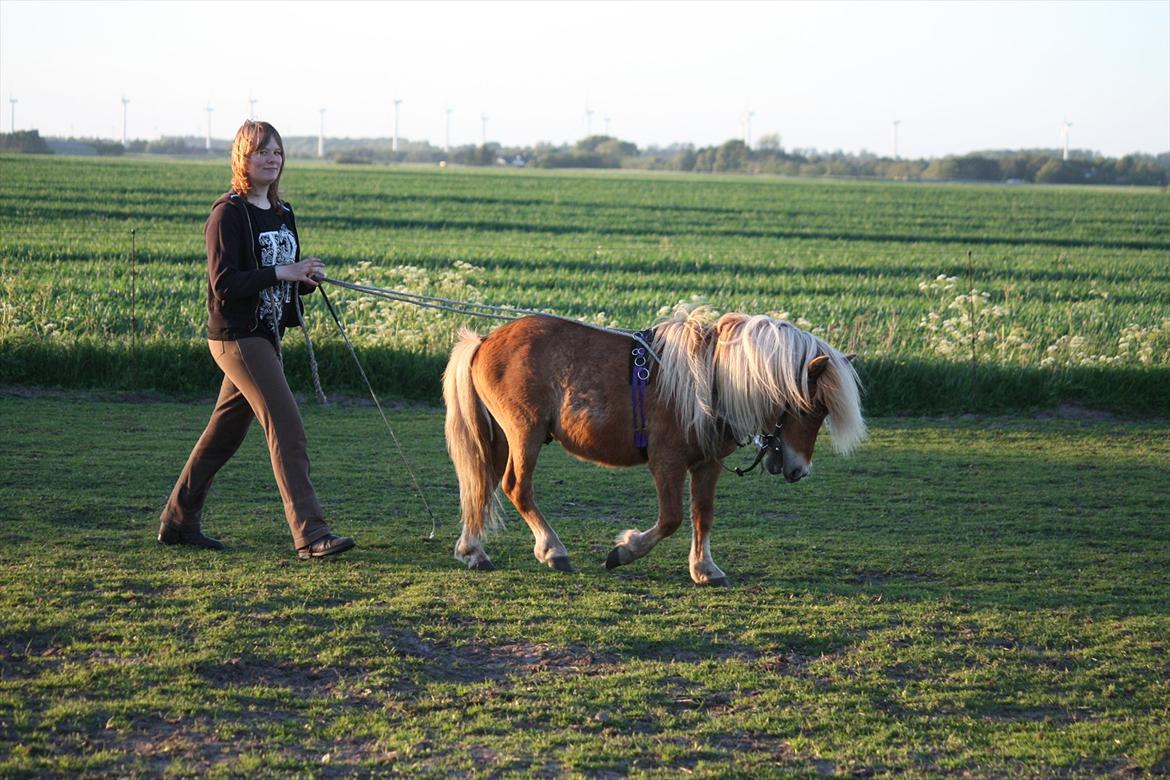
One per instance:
(1071, 268)
(983, 596)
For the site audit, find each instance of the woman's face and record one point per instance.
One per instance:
(265, 164)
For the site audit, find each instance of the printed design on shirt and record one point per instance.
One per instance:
(277, 247)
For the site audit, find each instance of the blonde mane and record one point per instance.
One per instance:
(739, 369)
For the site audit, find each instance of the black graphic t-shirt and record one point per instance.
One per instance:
(276, 244)
(245, 245)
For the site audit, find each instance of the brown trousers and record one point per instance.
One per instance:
(254, 385)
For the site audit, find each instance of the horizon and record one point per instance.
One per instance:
(223, 146)
(967, 77)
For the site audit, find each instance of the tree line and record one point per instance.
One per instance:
(1045, 166)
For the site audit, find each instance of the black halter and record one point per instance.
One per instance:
(769, 441)
(641, 373)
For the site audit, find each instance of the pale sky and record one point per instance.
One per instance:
(831, 75)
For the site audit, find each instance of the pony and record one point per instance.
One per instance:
(715, 382)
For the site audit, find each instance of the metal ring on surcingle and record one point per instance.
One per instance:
(637, 351)
(640, 360)
(643, 374)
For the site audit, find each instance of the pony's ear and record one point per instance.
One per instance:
(817, 366)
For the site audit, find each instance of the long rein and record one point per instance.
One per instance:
(474, 309)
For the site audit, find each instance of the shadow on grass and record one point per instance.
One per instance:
(892, 385)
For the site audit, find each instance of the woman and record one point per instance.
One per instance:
(255, 278)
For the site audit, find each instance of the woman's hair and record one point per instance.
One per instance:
(250, 137)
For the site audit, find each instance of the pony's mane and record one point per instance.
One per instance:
(739, 369)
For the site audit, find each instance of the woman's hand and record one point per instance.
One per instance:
(309, 271)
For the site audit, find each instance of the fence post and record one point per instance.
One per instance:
(134, 302)
(974, 329)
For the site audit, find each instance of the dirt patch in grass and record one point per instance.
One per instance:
(160, 744)
(874, 577)
(155, 744)
(303, 680)
(339, 400)
(713, 651)
(84, 396)
(788, 664)
(479, 661)
(1074, 412)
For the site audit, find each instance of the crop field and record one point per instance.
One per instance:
(980, 590)
(955, 297)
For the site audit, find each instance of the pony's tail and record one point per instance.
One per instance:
(469, 433)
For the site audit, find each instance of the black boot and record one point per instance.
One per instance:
(172, 534)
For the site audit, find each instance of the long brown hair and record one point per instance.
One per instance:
(250, 137)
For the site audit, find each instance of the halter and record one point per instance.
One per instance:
(640, 373)
(769, 441)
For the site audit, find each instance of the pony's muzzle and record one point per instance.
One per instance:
(793, 472)
(785, 460)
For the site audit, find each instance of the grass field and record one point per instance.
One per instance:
(972, 594)
(983, 596)
(1071, 301)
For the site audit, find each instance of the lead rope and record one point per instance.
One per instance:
(483, 310)
(362, 371)
(277, 301)
(313, 369)
(739, 471)
(764, 442)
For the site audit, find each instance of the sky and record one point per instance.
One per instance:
(956, 76)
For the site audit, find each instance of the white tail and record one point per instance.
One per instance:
(469, 436)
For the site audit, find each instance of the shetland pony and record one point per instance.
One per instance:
(715, 384)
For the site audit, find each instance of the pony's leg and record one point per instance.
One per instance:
(469, 550)
(703, 568)
(469, 547)
(517, 486)
(632, 544)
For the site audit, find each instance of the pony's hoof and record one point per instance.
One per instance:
(561, 563)
(484, 565)
(717, 582)
(614, 559)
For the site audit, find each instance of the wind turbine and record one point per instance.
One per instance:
(1064, 136)
(607, 124)
(588, 120)
(447, 137)
(12, 114)
(252, 107)
(747, 127)
(125, 102)
(394, 146)
(207, 141)
(483, 129)
(896, 123)
(321, 136)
